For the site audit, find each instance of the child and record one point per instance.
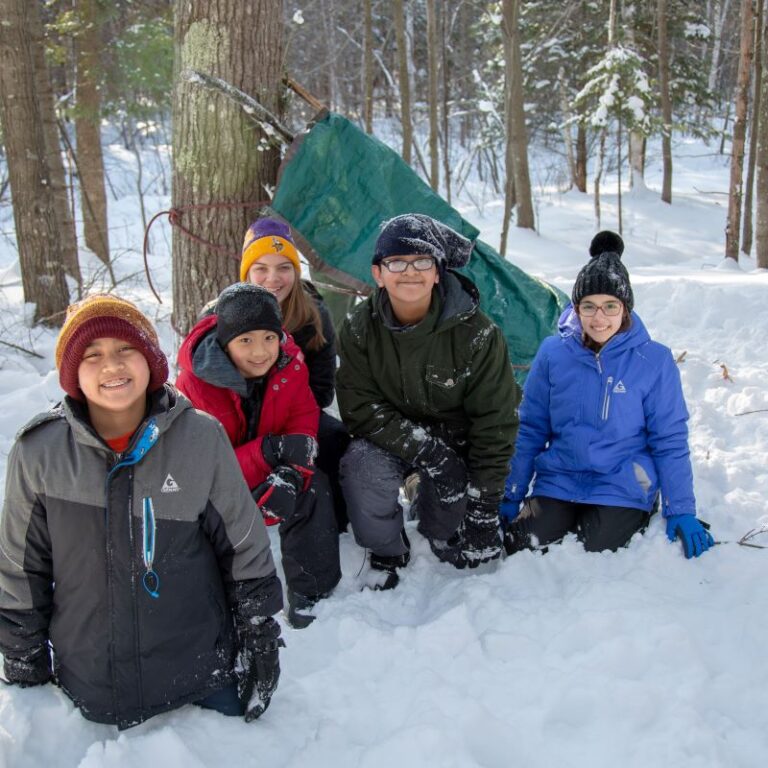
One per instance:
(130, 547)
(270, 259)
(426, 388)
(603, 425)
(240, 367)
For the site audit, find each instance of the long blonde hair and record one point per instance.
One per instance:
(298, 310)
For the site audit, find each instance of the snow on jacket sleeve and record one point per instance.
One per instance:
(239, 537)
(535, 428)
(666, 419)
(26, 572)
(490, 403)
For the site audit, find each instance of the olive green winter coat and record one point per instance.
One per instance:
(449, 375)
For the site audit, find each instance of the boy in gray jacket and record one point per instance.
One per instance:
(132, 503)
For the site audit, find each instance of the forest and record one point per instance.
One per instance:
(461, 89)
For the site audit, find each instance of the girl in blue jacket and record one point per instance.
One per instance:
(603, 425)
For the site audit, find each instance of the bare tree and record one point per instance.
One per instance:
(220, 158)
(517, 141)
(666, 102)
(404, 80)
(34, 213)
(90, 159)
(746, 230)
(739, 131)
(368, 68)
(761, 229)
(433, 41)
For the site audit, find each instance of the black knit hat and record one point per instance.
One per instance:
(604, 273)
(246, 307)
(418, 234)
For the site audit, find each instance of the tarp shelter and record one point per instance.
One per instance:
(337, 184)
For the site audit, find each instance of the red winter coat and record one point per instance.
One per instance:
(288, 406)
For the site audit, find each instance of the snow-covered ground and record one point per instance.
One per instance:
(637, 658)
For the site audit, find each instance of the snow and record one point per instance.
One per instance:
(636, 658)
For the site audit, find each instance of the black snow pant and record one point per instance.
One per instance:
(332, 440)
(544, 521)
(371, 478)
(309, 541)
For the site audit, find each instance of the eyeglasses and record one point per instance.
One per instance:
(609, 309)
(422, 264)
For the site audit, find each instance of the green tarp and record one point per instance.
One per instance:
(337, 184)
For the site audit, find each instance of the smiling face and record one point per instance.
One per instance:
(113, 375)
(276, 273)
(254, 353)
(600, 327)
(410, 291)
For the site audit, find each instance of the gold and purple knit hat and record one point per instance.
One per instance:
(105, 316)
(266, 237)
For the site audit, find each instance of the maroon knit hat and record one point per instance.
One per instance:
(105, 316)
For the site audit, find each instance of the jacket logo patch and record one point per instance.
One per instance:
(620, 389)
(170, 485)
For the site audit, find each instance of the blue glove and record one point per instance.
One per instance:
(688, 528)
(509, 509)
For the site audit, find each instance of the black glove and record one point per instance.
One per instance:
(293, 450)
(480, 535)
(446, 468)
(258, 664)
(31, 668)
(276, 496)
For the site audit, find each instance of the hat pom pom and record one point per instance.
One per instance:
(606, 242)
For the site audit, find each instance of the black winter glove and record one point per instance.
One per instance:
(32, 668)
(293, 450)
(480, 535)
(258, 664)
(446, 468)
(276, 496)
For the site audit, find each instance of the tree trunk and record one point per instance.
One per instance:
(517, 140)
(599, 174)
(34, 212)
(217, 157)
(404, 80)
(368, 68)
(59, 186)
(666, 103)
(445, 35)
(739, 132)
(761, 229)
(746, 231)
(581, 158)
(90, 161)
(720, 13)
(567, 135)
(432, 44)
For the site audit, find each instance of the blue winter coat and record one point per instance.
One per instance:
(608, 428)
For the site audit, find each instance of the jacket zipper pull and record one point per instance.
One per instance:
(150, 580)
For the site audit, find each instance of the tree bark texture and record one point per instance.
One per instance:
(666, 102)
(432, 43)
(37, 229)
(90, 160)
(368, 68)
(517, 141)
(59, 186)
(218, 158)
(761, 228)
(757, 80)
(404, 80)
(739, 132)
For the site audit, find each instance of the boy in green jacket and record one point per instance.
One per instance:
(425, 387)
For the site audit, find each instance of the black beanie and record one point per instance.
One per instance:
(246, 307)
(604, 273)
(418, 234)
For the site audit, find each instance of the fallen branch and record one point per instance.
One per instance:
(26, 351)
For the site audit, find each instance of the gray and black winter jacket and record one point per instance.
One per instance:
(133, 566)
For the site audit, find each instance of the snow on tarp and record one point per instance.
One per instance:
(337, 184)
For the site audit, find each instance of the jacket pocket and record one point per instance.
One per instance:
(444, 388)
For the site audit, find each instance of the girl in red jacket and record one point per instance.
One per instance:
(239, 366)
